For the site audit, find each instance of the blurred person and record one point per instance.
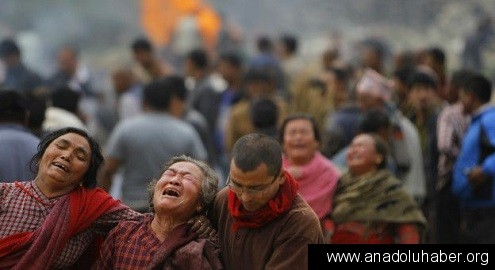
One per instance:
(142, 144)
(317, 176)
(373, 54)
(373, 91)
(265, 59)
(400, 79)
(37, 109)
(18, 76)
(61, 201)
(476, 42)
(18, 144)
(436, 59)
(73, 73)
(179, 109)
(129, 93)
(231, 68)
(425, 108)
(340, 123)
(149, 67)
(370, 204)
(451, 127)
(186, 187)
(262, 221)
(474, 169)
(206, 89)
(287, 48)
(258, 84)
(64, 111)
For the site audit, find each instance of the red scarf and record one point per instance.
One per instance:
(70, 215)
(275, 207)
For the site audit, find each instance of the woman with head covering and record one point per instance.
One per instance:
(317, 176)
(370, 204)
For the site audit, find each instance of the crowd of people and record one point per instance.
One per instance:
(236, 161)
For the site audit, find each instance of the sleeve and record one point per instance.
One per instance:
(108, 221)
(105, 255)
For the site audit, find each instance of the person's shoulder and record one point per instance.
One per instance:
(302, 214)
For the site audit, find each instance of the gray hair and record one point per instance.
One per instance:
(209, 185)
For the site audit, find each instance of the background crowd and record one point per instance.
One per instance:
(386, 146)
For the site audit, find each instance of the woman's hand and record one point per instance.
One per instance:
(201, 225)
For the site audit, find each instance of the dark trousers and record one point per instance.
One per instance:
(478, 226)
(448, 217)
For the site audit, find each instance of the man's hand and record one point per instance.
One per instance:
(202, 226)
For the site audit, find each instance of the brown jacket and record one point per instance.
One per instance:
(280, 244)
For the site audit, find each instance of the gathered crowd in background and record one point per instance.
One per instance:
(382, 152)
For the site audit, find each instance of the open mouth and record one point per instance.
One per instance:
(171, 192)
(61, 166)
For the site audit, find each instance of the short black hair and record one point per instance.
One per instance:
(142, 44)
(199, 58)
(13, 106)
(373, 121)
(178, 87)
(9, 47)
(233, 58)
(254, 149)
(157, 94)
(264, 113)
(480, 86)
(264, 44)
(438, 54)
(65, 98)
(459, 78)
(290, 42)
(420, 78)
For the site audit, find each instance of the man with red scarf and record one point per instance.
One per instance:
(262, 221)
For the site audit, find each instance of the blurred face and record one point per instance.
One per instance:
(254, 188)
(422, 96)
(300, 144)
(467, 101)
(362, 156)
(64, 163)
(67, 61)
(226, 70)
(258, 89)
(178, 191)
(143, 57)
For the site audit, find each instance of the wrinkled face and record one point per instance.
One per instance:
(178, 191)
(65, 162)
(362, 156)
(254, 188)
(300, 144)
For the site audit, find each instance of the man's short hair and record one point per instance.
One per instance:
(199, 58)
(290, 42)
(142, 44)
(13, 106)
(480, 86)
(157, 94)
(254, 149)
